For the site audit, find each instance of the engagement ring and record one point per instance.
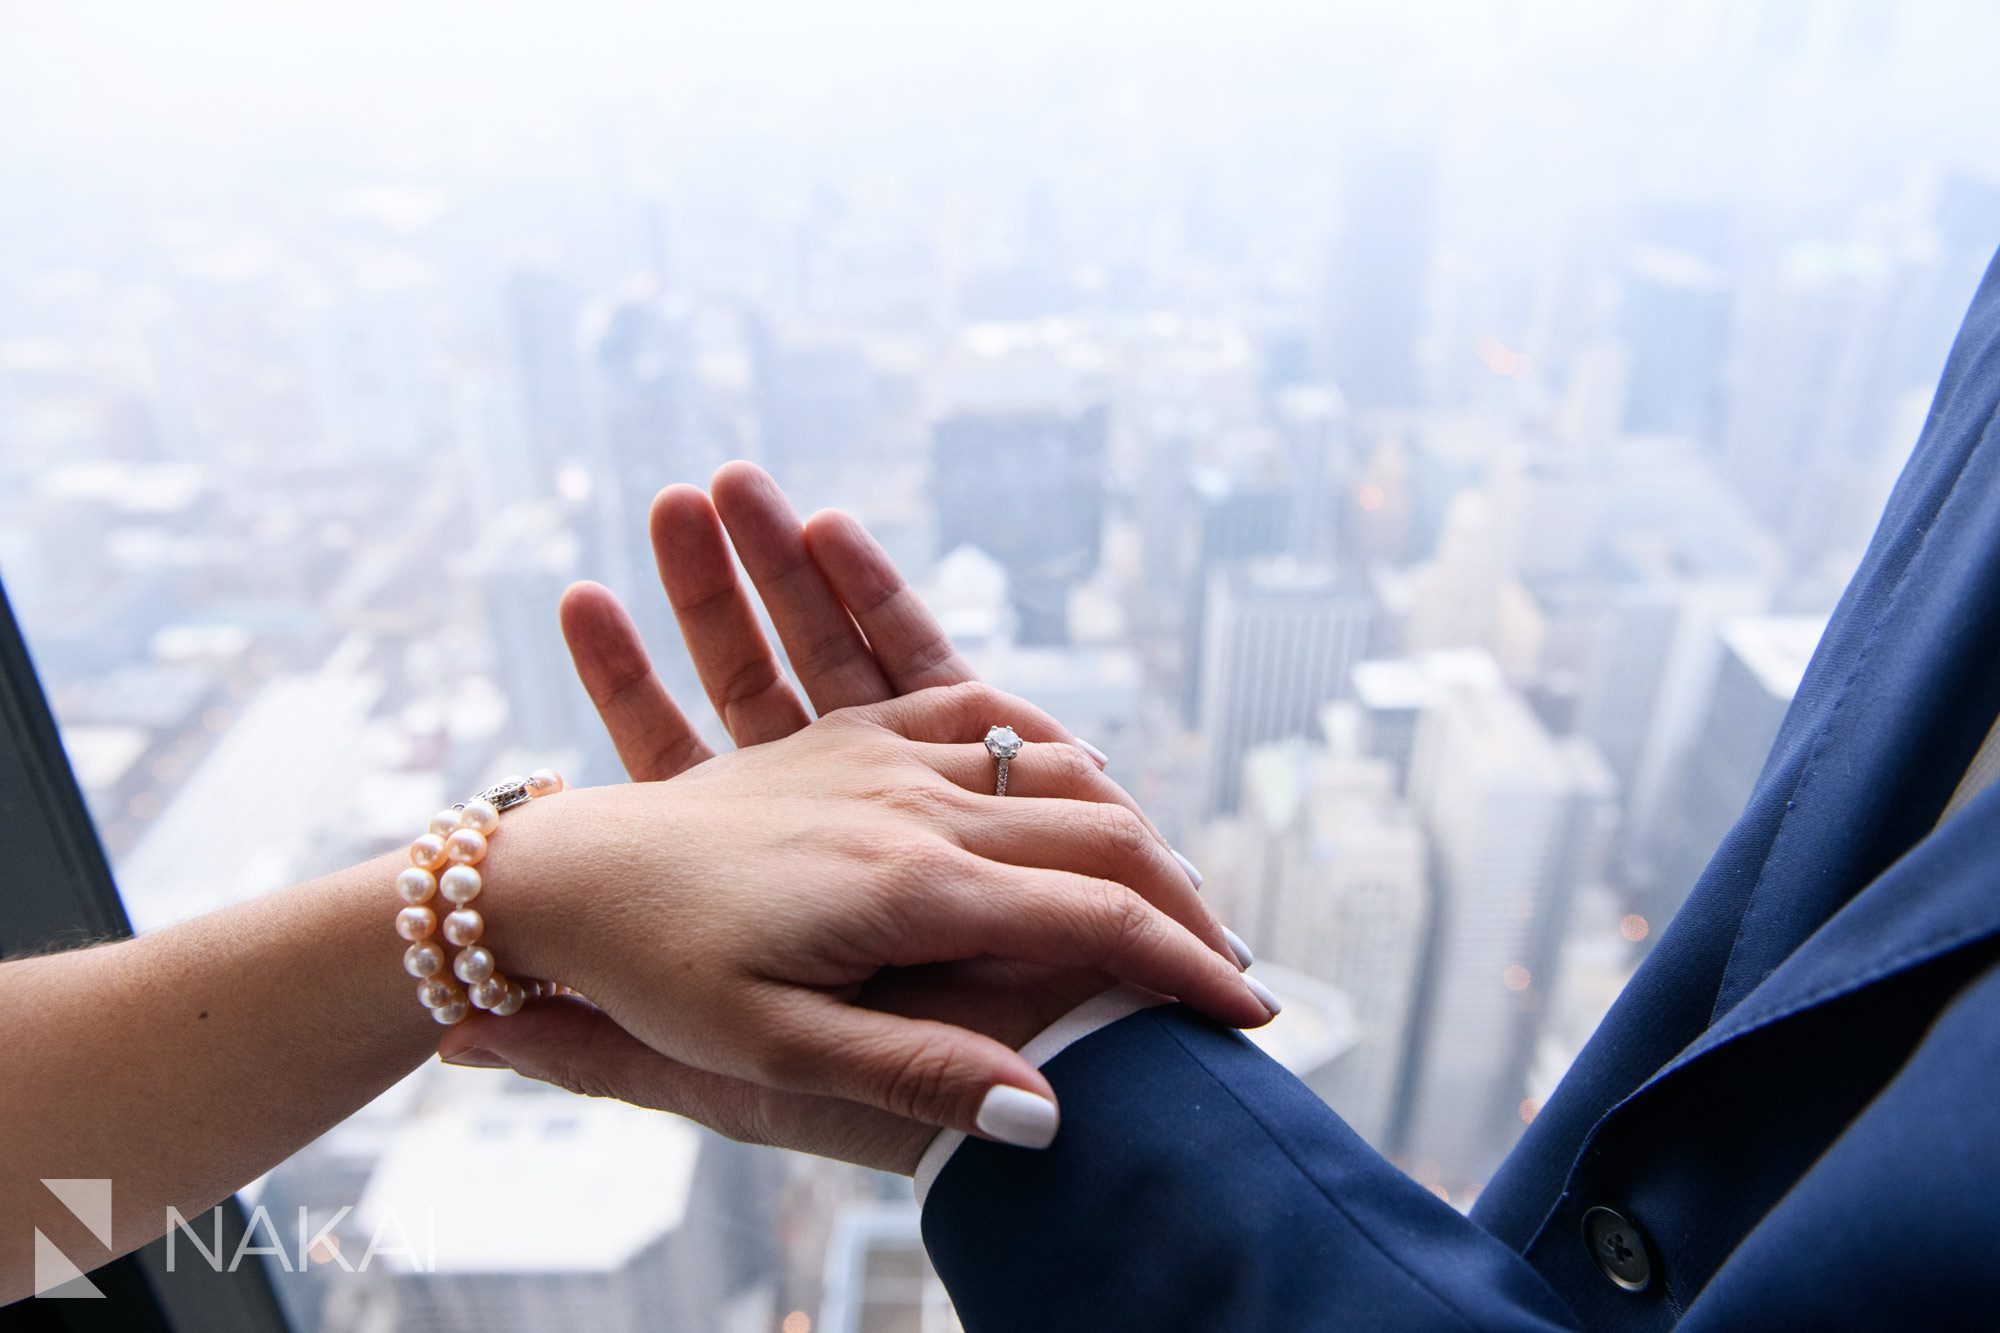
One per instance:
(1003, 745)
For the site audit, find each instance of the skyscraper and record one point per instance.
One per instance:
(1237, 519)
(666, 1253)
(1763, 660)
(646, 414)
(1280, 641)
(1517, 821)
(542, 315)
(1675, 323)
(1347, 900)
(1379, 278)
(1026, 487)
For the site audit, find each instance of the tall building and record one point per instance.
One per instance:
(646, 410)
(528, 556)
(878, 1277)
(676, 1247)
(815, 399)
(1379, 277)
(1807, 439)
(542, 317)
(1454, 598)
(1347, 900)
(1279, 642)
(1763, 660)
(1313, 427)
(1675, 324)
(1238, 519)
(1517, 820)
(1026, 487)
(1645, 680)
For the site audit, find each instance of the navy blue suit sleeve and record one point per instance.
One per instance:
(1197, 1185)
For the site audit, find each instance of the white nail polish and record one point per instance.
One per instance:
(1017, 1116)
(1103, 759)
(1188, 866)
(1263, 993)
(1236, 946)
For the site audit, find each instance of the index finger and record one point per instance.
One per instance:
(743, 680)
(912, 648)
(833, 662)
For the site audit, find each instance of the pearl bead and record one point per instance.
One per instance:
(467, 847)
(480, 817)
(416, 923)
(423, 959)
(435, 992)
(544, 782)
(473, 964)
(511, 1005)
(460, 885)
(464, 927)
(488, 993)
(427, 852)
(443, 822)
(451, 1013)
(416, 886)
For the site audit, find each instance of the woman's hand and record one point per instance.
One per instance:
(856, 634)
(728, 919)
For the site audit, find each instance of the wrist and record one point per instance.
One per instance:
(540, 887)
(444, 889)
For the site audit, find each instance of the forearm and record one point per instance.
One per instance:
(184, 1064)
(1223, 1193)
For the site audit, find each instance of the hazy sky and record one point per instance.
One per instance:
(181, 90)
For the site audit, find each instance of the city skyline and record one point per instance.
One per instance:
(1428, 489)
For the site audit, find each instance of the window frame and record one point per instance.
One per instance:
(60, 894)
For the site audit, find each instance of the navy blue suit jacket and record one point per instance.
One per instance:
(1796, 1100)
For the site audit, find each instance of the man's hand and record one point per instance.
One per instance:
(856, 633)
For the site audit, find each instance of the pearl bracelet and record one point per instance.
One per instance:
(445, 861)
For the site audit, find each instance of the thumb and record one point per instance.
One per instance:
(574, 1045)
(917, 1069)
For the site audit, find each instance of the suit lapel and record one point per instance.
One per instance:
(1943, 895)
(1902, 690)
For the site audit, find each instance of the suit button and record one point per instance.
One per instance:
(1618, 1247)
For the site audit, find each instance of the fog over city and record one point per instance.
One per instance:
(1421, 443)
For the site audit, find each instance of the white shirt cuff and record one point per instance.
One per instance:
(1099, 1011)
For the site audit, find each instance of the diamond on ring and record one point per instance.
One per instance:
(1003, 743)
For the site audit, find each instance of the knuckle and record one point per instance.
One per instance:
(1075, 768)
(744, 1116)
(779, 1062)
(584, 1080)
(932, 657)
(1126, 924)
(972, 699)
(921, 862)
(1125, 836)
(920, 1082)
(928, 802)
(827, 654)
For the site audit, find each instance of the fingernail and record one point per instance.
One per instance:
(1263, 993)
(1017, 1116)
(472, 1057)
(1103, 759)
(1192, 873)
(1236, 946)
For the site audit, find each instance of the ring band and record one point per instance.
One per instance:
(1003, 744)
